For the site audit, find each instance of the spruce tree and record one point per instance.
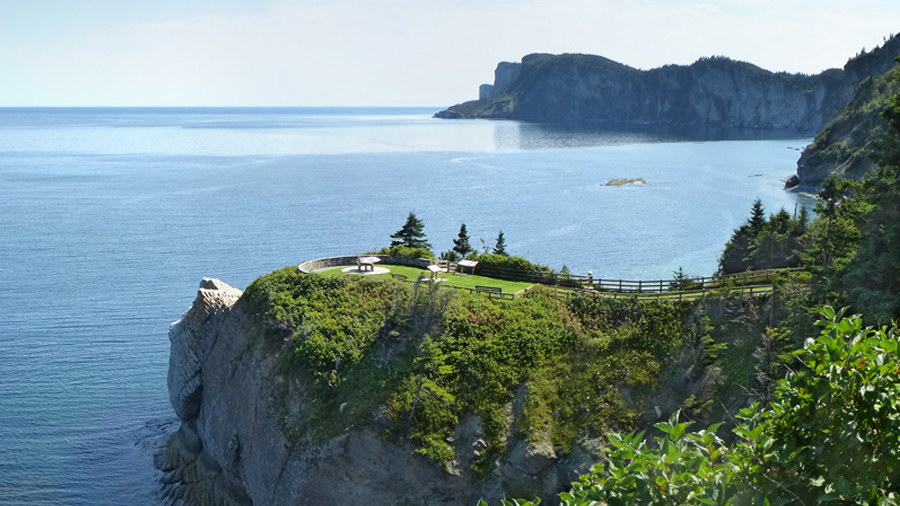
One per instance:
(461, 244)
(500, 246)
(757, 217)
(411, 235)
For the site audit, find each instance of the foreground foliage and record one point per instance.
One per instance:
(831, 434)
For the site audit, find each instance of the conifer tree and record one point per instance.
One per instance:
(461, 244)
(757, 217)
(500, 246)
(411, 235)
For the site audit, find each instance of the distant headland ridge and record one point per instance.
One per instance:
(714, 91)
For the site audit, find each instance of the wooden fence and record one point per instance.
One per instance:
(749, 283)
(750, 290)
(761, 277)
(742, 279)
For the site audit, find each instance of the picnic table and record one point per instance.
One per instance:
(367, 263)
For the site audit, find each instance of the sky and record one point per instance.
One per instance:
(388, 52)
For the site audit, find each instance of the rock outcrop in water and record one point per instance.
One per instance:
(231, 450)
(575, 88)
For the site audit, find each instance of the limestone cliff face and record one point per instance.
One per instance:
(505, 74)
(575, 88)
(231, 450)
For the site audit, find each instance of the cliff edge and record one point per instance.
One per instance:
(232, 447)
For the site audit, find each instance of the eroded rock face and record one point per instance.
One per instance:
(231, 450)
(185, 382)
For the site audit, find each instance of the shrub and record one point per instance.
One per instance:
(405, 251)
(495, 261)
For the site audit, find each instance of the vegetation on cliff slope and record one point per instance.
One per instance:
(831, 434)
(850, 146)
(542, 368)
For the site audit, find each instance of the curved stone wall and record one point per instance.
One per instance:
(323, 263)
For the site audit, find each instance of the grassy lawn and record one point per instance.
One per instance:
(451, 279)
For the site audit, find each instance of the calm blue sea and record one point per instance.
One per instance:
(110, 217)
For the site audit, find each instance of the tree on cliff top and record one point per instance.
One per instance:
(461, 244)
(757, 219)
(500, 246)
(412, 234)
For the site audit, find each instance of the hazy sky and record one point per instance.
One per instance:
(387, 52)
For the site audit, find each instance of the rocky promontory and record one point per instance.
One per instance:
(314, 387)
(849, 146)
(232, 447)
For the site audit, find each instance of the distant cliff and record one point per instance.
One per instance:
(718, 91)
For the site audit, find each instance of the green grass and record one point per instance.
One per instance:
(450, 279)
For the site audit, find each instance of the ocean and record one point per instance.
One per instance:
(109, 218)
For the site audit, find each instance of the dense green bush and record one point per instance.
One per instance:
(405, 251)
(495, 261)
(513, 267)
(333, 319)
(327, 329)
(574, 358)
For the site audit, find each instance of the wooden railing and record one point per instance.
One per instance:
(762, 277)
(749, 283)
(750, 290)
